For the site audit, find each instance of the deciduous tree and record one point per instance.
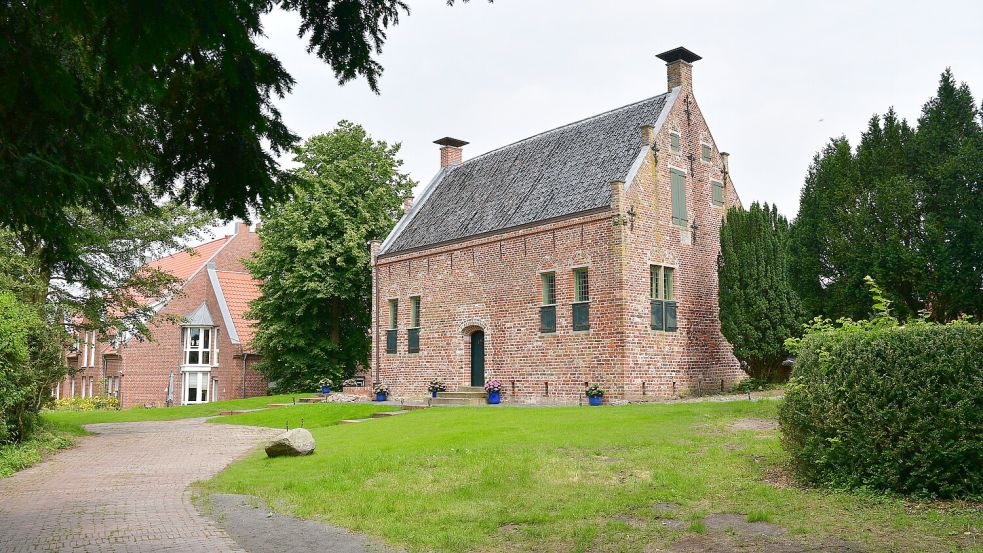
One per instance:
(313, 315)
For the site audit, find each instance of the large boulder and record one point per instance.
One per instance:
(291, 443)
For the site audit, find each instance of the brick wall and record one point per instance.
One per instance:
(493, 284)
(148, 364)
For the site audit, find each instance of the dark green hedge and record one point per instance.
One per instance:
(889, 409)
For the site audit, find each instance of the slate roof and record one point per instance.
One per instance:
(199, 317)
(559, 172)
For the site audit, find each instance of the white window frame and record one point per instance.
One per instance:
(203, 350)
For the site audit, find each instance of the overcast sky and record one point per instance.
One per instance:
(776, 81)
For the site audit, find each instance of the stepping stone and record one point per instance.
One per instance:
(381, 414)
(353, 421)
(311, 399)
(275, 405)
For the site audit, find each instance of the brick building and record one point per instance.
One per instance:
(584, 254)
(200, 350)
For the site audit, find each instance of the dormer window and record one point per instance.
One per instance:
(197, 345)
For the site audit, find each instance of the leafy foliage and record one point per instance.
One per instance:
(879, 406)
(904, 207)
(99, 98)
(313, 315)
(758, 308)
(90, 403)
(31, 361)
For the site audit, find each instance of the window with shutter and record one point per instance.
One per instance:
(581, 298)
(661, 297)
(547, 311)
(706, 152)
(678, 197)
(674, 142)
(393, 321)
(718, 193)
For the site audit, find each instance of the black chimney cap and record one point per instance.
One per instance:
(448, 141)
(677, 54)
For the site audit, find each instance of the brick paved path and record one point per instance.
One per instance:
(123, 490)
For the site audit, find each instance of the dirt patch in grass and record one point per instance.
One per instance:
(780, 477)
(758, 425)
(727, 532)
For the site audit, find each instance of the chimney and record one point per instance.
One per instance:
(647, 133)
(238, 227)
(407, 203)
(679, 67)
(451, 151)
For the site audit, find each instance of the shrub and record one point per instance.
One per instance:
(872, 405)
(92, 403)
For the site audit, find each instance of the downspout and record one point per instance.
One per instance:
(245, 356)
(375, 322)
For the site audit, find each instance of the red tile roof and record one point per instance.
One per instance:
(183, 264)
(239, 289)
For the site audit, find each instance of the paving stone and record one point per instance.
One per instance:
(124, 490)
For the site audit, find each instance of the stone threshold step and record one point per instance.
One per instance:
(463, 395)
(238, 412)
(382, 414)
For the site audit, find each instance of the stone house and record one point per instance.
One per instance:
(584, 254)
(200, 350)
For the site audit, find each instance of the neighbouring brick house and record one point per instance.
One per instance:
(203, 355)
(584, 254)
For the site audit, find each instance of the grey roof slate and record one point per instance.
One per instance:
(199, 317)
(559, 172)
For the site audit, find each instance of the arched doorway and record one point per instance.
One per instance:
(478, 358)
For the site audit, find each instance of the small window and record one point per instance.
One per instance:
(718, 193)
(581, 298)
(674, 142)
(661, 297)
(393, 310)
(581, 290)
(706, 152)
(415, 311)
(549, 288)
(678, 197)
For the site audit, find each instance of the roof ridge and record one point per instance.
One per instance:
(233, 272)
(185, 250)
(568, 125)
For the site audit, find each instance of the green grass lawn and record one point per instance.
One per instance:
(68, 419)
(48, 438)
(561, 479)
(311, 416)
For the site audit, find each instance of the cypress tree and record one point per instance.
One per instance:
(758, 308)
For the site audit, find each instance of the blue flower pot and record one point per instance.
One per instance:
(595, 400)
(494, 397)
(433, 394)
(380, 397)
(325, 390)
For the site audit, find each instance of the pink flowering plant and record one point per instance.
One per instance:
(437, 386)
(493, 386)
(594, 390)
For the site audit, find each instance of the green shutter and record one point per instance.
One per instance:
(581, 316)
(678, 197)
(674, 141)
(658, 314)
(670, 307)
(706, 152)
(547, 319)
(718, 193)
